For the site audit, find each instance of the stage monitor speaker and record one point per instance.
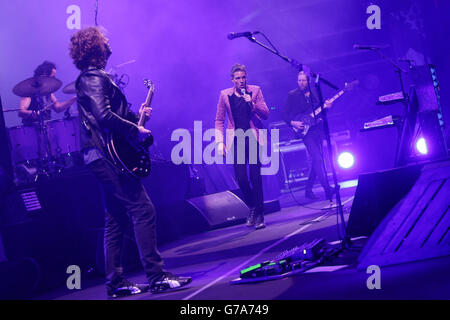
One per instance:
(220, 209)
(270, 206)
(376, 194)
(418, 226)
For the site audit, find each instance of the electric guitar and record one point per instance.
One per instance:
(309, 119)
(132, 157)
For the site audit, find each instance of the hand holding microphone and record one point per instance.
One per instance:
(246, 96)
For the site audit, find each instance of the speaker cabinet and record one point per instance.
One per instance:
(376, 194)
(220, 209)
(418, 227)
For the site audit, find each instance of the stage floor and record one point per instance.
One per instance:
(214, 258)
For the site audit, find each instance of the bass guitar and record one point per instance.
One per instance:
(309, 119)
(132, 157)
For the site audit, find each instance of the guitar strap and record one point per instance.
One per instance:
(312, 100)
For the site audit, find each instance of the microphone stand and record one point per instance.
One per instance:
(293, 62)
(318, 79)
(346, 242)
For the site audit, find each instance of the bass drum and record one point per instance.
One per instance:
(64, 136)
(24, 143)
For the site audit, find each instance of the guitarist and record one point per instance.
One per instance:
(302, 101)
(102, 109)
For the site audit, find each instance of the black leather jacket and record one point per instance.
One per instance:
(102, 108)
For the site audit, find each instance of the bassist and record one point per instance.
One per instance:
(302, 102)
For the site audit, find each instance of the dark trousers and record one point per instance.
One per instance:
(125, 198)
(313, 142)
(249, 178)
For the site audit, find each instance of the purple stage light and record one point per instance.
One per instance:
(421, 146)
(346, 160)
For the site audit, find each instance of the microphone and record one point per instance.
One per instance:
(361, 47)
(243, 91)
(247, 34)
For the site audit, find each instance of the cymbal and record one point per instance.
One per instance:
(42, 84)
(70, 88)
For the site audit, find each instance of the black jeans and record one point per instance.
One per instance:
(251, 187)
(313, 142)
(125, 198)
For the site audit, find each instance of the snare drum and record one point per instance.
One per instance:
(64, 136)
(24, 143)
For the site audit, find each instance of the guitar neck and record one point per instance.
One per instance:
(148, 100)
(319, 109)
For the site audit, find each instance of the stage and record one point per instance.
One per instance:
(214, 258)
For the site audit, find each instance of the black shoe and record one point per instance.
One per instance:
(310, 195)
(125, 288)
(169, 281)
(251, 218)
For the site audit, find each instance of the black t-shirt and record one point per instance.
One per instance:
(34, 106)
(241, 112)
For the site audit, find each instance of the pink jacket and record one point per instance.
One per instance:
(260, 111)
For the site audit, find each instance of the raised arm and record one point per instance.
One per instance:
(62, 106)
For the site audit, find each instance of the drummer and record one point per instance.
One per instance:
(29, 109)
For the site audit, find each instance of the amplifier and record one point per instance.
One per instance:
(294, 164)
(286, 134)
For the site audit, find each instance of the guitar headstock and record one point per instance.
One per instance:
(351, 85)
(151, 90)
(149, 84)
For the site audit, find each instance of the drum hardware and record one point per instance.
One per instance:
(69, 89)
(47, 150)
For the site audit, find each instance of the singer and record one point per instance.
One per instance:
(245, 107)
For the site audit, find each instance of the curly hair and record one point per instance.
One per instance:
(88, 47)
(44, 69)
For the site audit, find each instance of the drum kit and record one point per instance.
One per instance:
(46, 147)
